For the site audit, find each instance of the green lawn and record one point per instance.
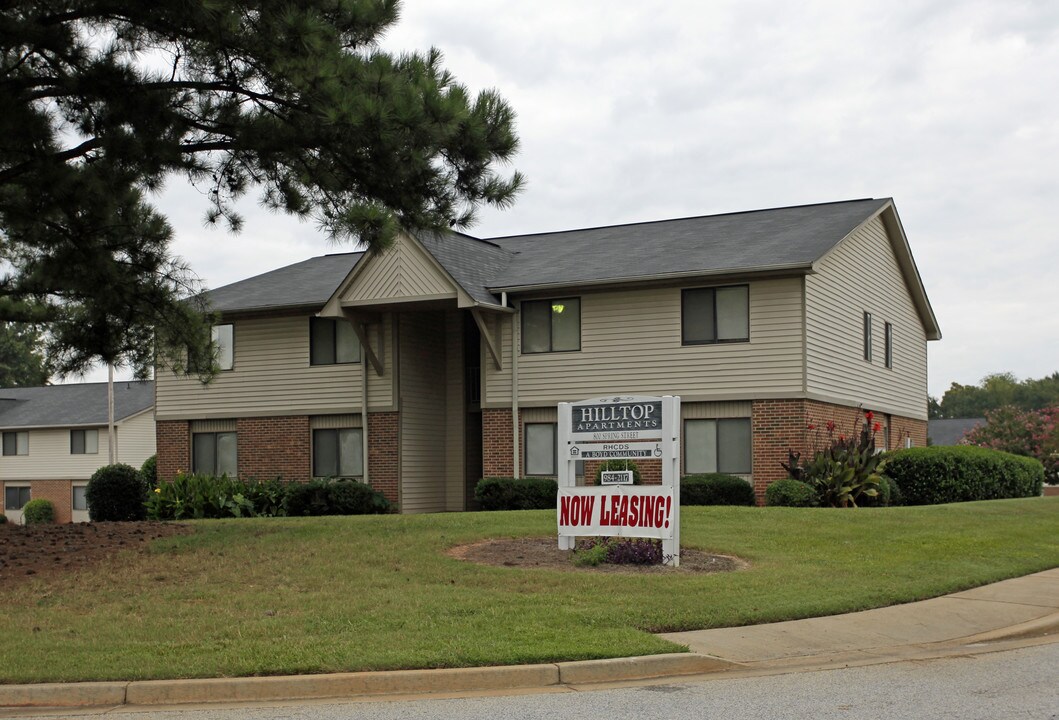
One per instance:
(276, 596)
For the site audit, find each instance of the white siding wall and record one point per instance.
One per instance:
(631, 342)
(272, 376)
(399, 273)
(422, 418)
(860, 275)
(136, 440)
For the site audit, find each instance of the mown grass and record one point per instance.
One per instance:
(286, 595)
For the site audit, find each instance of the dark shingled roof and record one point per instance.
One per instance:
(747, 241)
(950, 431)
(471, 262)
(305, 284)
(72, 405)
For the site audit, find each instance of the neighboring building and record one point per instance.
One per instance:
(950, 431)
(55, 437)
(428, 366)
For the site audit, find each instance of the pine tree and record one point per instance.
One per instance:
(102, 100)
(21, 362)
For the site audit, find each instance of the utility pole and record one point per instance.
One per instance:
(110, 413)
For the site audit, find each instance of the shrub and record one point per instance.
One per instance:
(620, 551)
(938, 474)
(715, 489)
(531, 493)
(1033, 433)
(847, 469)
(790, 493)
(3, 518)
(207, 496)
(116, 492)
(611, 465)
(38, 512)
(149, 470)
(334, 497)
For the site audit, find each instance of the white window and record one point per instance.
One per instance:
(214, 453)
(16, 443)
(540, 448)
(80, 503)
(224, 345)
(717, 446)
(338, 452)
(16, 497)
(332, 342)
(551, 325)
(84, 442)
(715, 315)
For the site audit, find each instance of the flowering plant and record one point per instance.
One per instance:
(846, 468)
(1034, 433)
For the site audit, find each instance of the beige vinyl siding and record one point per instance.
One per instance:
(402, 272)
(455, 420)
(860, 275)
(715, 410)
(422, 418)
(272, 376)
(50, 458)
(631, 343)
(331, 422)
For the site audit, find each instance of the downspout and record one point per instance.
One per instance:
(364, 411)
(514, 391)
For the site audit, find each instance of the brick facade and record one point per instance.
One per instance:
(173, 442)
(496, 443)
(59, 492)
(382, 454)
(272, 447)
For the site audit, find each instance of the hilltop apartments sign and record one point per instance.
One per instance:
(616, 428)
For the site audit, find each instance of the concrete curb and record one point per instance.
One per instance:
(347, 685)
(1043, 626)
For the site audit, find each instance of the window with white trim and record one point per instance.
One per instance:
(715, 315)
(551, 325)
(79, 501)
(214, 453)
(16, 496)
(332, 342)
(867, 336)
(223, 337)
(338, 452)
(721, 445)
(84, 442)
(540, 439)
(16, 443)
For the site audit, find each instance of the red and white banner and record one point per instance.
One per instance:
(617, 511)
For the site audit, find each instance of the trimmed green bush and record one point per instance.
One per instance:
(334, 497)
(715, 489)
(934, 475)
(889, 494)
(149, 470)
(3, 518)
(790, 493)
(38, 512)
(611, 465)
(502, 493)
(116, 492)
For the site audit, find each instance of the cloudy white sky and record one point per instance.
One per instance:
(635, 111)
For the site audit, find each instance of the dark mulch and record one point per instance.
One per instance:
(544, 553)
(51, 550)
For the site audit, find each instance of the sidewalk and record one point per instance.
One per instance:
(1004, 615)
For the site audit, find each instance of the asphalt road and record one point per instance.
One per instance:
(1017, 684)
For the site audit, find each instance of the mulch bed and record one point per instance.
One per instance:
(49, 550)
(544, 553)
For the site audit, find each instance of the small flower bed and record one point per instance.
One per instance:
(846, 469)
(620, 551)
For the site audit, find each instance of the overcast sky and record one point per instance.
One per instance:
(632, 111)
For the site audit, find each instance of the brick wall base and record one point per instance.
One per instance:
(173, 441)
(273, 447)
(496, 443)
(59, 492)
(383, 455)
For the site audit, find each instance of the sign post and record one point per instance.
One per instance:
(617, 428)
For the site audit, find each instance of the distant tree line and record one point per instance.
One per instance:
(996, 391)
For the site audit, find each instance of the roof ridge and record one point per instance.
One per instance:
(687, 217)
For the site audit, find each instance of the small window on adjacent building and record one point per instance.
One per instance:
(889, 345)
(16, 443)
(338, 453)
(84, 442)
(224, 342)
(79, 501)
(715, 315)
(867, 336)
(717, 446)
(15, 497)
(214, 453)
(332, 342)
(551, 325)
(540, 448)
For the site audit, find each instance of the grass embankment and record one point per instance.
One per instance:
(289, 595)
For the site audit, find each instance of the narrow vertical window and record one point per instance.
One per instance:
(867, 336)
(889, 345)
(224, 346)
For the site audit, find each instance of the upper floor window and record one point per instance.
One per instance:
(715, 315)
(889, 345)
(16, 443)
(867, 336)
(214, 453)
(224, 344)
(84, 442)
(332, 341)
(551, 325)
(712, 446)
(338, 452)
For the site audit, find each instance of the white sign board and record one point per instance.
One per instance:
(616, 477)
(621, 427)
